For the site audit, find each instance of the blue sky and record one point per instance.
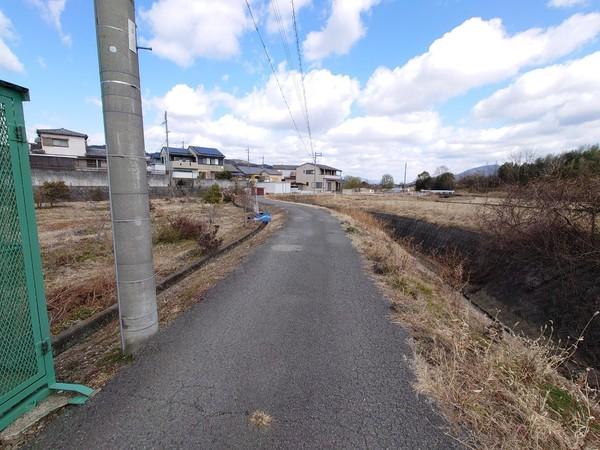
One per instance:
(453, 82)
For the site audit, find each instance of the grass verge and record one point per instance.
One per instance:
(500, 390)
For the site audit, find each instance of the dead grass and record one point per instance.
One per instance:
(76, 242)
(459, 211)
(260, 419)
(503, 389)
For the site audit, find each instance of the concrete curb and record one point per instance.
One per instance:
(83, 329)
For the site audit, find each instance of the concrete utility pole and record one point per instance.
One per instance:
(404, 184)
(168, 151)
(128, 183)
(315, 156)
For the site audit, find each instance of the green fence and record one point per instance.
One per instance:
(26, 365)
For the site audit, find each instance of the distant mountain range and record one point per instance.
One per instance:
(490, 169)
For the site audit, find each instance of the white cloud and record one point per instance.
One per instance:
(548, 109)
(343, 29)
(258, 118)
(563, 93)
(476, 53)
(330, 98)
(185, 102)
(184, 30)
(51, 12)
(8, 60)
(414, 128)
(566, 3)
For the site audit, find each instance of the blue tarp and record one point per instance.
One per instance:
(263, 217)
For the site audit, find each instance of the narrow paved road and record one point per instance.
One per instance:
(299, 331)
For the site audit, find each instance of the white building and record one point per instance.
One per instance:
(326, 178)
(63, 149)
(63, 142)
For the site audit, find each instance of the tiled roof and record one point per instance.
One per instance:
(231, 167)
(96, 151)
(321, 166)
(247, 170)
(178, 151)
(61, 132)
(285, 167)
(153, 155)
(206, 151)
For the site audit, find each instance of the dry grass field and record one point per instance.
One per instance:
(76, 243)
(460, 211)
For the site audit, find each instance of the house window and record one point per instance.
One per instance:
(309, 172)
(319, 185)
(55, 142)
(91, 163)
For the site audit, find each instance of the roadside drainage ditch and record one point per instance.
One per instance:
(525, 297)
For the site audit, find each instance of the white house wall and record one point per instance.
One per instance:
(275, 188)
(76, 146)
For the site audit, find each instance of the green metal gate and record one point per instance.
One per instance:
(26, 364)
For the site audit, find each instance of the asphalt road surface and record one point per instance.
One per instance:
(298, 331)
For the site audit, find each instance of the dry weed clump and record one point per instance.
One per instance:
(504, 389)
(260, 419)
(85, 250)
(78, 298)
(182, 228)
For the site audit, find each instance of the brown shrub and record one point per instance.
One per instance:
(555, 220)
(550, 228)
(80, 297)
(183, 228)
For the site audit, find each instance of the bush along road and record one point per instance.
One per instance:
(293, 349)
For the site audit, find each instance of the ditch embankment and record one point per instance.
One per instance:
(522, 293)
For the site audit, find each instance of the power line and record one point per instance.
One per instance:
(281, 29)
(302, 78)
(264, 46)
(286, 48)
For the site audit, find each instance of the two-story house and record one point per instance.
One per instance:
(288, 172)
(326, 178)
(193, 162)
(64, 149)
(210, 161)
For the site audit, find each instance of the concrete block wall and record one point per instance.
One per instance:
(93, 184)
